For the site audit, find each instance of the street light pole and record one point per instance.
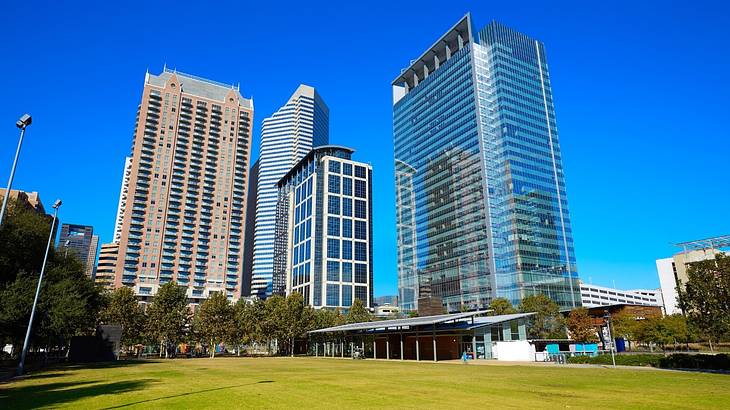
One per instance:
(21, 366)
(22, 123)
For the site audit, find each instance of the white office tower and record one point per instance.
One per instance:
(286, 137)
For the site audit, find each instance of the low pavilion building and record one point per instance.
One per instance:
(449, 336)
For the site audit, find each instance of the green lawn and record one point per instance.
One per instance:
(341, 383)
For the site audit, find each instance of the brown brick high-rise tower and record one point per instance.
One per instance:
(185, 211)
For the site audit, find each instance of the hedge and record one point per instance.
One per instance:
(621, 359)
(673, 361)
(696, 361)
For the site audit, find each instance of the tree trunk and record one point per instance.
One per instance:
(710, 341)
(162, 349)
(291, 346)
(212, 348)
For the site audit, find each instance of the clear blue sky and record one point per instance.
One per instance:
(641, 92)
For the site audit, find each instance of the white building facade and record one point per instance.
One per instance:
(594, 296)
(286, 137)
(673, 270)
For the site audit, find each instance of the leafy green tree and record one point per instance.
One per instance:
(245, 329)
(168, 316)
(581, 327)
(215, 321)
(358, 313)
(547, 322)
(663, 331)
(68, 304)
(706, 297)
(626, 326)
(123, 309)
(271, 326)
(23, 238)
(501, 306)
(298, 319)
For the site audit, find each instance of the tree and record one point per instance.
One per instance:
(68, 304)
(23, 238)
(664, 331)
(626, 326)
(168, 316)
(580, 326)
(358, 313)
(546, 323)
(215, 321)
(706, 296)
(501, 306)
(244, 331)
(298, 319)
(272, 318)
(123, 309)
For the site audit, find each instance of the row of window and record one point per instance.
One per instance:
(336, 166)
(334, 224)
(335, 245)
(343, 206)
(333, 294)
(342, 272)
(345, 187)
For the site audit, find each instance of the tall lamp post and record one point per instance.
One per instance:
(21, 366)
(22, 123)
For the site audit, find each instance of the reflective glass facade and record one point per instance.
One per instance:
(480, 191)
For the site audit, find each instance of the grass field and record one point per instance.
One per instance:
(341, 383)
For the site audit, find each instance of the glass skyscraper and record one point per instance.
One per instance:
(480, 191)
(286, 137)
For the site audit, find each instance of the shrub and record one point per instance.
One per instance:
(696, 361)
(621, 359)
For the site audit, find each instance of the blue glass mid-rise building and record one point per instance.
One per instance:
(481, 203)
(286, 137)
(323, 247)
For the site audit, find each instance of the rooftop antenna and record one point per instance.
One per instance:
(164, 67)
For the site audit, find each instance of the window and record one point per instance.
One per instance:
(346, 168)
(361, 251)
(346, 186)
(333, 226)
(333, 185)
(361, 273)
(333, 205)
(359, 171)
(360, 230)
(514, 330)
(333, 295)
(360, 209)
(346, 249)
(346, 272)
(360, 190)
(333, 271)
(335, 166)
(346, 295)
(346, 206)
(333, 248)
(347, 228)
(361, 292)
